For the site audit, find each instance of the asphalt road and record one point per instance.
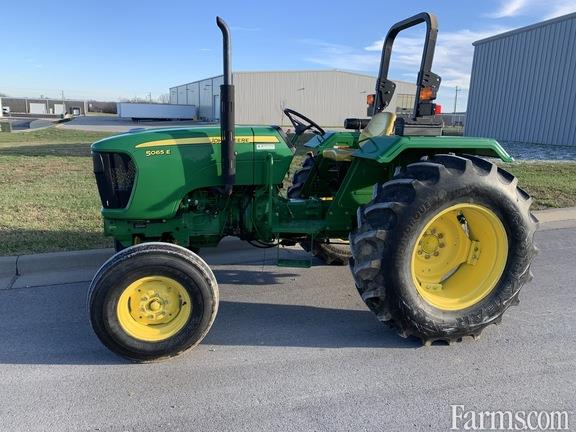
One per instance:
(291, 350)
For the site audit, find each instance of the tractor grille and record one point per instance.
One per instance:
(115, 173)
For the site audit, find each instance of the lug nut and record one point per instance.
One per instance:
(436, 253)
(441, 245)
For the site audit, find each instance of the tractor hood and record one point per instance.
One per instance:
(149, 172)
(169, 137)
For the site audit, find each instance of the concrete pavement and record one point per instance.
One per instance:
(291, 350)
(120, 125)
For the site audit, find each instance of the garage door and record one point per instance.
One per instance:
(37, 108)
(58, 108)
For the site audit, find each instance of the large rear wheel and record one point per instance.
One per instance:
(444, 248)
(153, 300)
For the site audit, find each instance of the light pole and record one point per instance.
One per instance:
(455, 99)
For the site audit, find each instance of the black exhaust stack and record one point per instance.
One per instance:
(227, 114)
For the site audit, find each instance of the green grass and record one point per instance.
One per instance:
(49, 200)
(550, 184)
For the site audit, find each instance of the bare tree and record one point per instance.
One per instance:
(164, 98)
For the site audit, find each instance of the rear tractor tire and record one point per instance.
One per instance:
(444, 248)
(152, 301)
(330, 251)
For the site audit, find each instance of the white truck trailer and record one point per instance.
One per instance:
(150, 111)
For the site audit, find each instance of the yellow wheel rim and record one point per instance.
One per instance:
(459, 256)
(153, 308)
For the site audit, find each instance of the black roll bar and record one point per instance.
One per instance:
(426, 78)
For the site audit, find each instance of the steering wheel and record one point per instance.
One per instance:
(302, 123)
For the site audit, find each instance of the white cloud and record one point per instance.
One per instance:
(562, 8)
(452, 60)
(34, 63)
(509, 8)
(536, 8)
(341, 56)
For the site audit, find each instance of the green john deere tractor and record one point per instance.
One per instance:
(440, 238)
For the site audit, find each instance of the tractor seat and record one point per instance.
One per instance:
(382, 124)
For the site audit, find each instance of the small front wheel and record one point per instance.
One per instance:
(152, 301)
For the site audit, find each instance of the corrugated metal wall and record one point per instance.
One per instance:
(327, 97)
(523, 85)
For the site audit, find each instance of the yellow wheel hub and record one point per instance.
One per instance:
(459, 256)
(153, 308)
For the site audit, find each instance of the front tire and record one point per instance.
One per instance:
(444, 248)
(152, 301)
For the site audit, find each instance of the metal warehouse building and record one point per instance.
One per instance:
(327, 97)
(523, 88)
(42, 107)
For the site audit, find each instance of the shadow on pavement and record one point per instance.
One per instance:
(247, 277)
(49, 325)
(275, 325)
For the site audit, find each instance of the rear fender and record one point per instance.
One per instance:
(406, 149)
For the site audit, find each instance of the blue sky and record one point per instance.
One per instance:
(116, 49)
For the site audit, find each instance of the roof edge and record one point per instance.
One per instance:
(289, 71)
(525, 28)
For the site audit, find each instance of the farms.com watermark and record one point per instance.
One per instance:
(464, 419)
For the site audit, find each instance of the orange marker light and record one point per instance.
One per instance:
(426, 94)
(370, 99)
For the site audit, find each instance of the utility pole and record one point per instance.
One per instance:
(150, 97)
(455, 99)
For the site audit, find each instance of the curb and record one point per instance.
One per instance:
(551, 219)
(556, 215)
(47, 262)
(79, 266)
(49, 268)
